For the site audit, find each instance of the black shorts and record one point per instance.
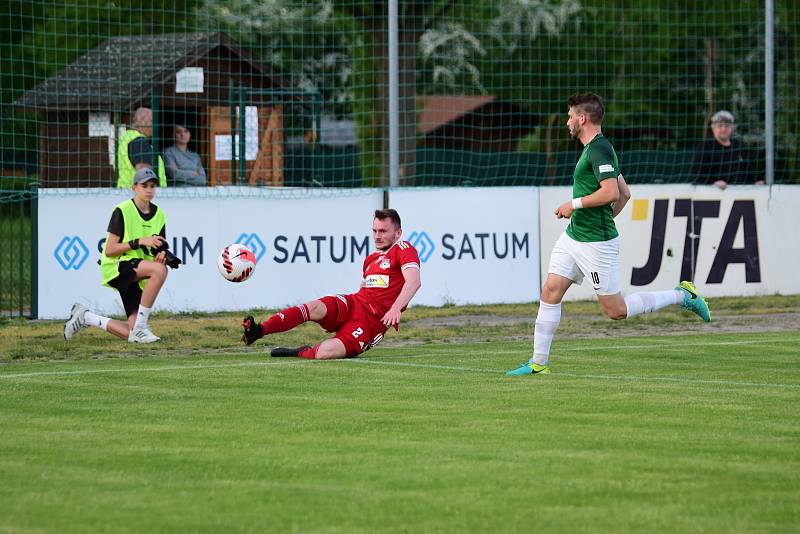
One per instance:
(128, 286)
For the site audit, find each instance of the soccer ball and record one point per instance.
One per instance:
(236, 262)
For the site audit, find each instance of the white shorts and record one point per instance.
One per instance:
(598, 261)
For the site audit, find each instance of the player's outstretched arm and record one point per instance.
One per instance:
(410, 287)
(624, 195)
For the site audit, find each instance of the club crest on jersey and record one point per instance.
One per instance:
(385, 263)
(376, 280)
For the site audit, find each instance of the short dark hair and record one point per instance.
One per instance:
(389, 213)
(590, 104)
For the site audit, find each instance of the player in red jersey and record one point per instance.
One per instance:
(390, 279)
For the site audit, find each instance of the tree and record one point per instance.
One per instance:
(300, 35)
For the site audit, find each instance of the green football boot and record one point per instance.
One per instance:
(693, 302)
(529, 369)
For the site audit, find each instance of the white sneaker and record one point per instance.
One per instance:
(142, 335)
(76, 321)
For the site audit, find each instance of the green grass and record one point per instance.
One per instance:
(15, 250)
(628, 434)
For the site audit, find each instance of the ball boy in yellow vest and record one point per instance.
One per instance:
(130, 264)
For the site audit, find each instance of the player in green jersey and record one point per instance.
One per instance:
(589, 248)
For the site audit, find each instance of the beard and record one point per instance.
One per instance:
(387, 246)
(573, 134)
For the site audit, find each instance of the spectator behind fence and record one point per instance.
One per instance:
(183, 165)
(722, 160)
(135, 151)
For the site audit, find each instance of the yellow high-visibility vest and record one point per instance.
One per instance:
(135, 228)
(126, 169)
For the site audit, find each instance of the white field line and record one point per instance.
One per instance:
(147, 369)
(377, 361)
(676, 345)
(589, 376)
(665, 346)
(690, 344)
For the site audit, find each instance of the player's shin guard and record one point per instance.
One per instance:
(286, 319)
(547, 321)
(650, 301)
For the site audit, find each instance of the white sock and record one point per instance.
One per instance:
(547, 321)
(650, 301)
(92, 319)
(141, 317)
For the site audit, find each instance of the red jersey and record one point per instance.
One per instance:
(383, 276)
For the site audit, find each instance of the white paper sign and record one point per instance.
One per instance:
(189, 80)
(222, 148)
(223, 151)
(251, 132)
(116, 133)
(225, 148)
(100, 125)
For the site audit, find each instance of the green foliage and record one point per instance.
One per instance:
(15, 255)
(662, 66)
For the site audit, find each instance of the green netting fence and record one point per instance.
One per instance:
(281, 94)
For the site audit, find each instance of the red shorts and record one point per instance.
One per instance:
(357, 328)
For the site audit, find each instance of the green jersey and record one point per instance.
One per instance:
(598, 162)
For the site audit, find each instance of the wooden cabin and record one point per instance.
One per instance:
(184, 77)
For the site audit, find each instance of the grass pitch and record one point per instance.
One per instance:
(633, 434)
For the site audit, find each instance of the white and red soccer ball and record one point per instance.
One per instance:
(236, 262)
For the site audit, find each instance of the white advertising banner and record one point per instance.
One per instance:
(740, 241)
(476, 245)
(305, 247)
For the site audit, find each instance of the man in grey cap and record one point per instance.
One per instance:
(722, 160)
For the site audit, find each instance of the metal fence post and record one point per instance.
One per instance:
(769, 90)
(34, 241)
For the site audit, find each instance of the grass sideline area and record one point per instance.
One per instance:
(689, 430)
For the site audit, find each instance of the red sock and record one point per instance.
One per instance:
(310, 353)
(285, 320)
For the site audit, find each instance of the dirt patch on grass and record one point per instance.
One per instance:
(596, 325)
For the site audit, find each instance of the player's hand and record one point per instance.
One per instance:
(161, 257)
(392, 317)
(564, 211)
(153, 241)
(722, 184)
